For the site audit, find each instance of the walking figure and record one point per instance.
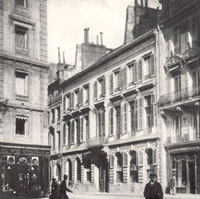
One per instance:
(153, 189)
(64, 189)
(54, 189)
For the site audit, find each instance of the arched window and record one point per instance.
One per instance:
(149, 156)
(133, 167)
(78, 169)
(88, 170)
(119, 167)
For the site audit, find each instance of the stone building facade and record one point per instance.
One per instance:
(179, 40)
(24, 150)
(103, 120)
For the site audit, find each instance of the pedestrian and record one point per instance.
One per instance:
(54, 189)
(64, 189)
(172, 186)
(153, 189)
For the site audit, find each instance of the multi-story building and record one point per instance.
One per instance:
(180, 93)
(103, 119)
(24, 150)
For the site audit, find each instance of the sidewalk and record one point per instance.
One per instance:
(86, 195)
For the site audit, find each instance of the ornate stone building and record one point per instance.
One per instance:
(103, 119)
(180, 93)
(24, 150)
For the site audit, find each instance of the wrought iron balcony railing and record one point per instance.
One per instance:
(180, 95)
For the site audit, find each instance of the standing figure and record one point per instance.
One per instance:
(153, 189)
(64, 189)
(54, 189)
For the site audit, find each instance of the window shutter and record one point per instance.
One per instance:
(140, 158)
(104, 87)
(140, 115)
(111, 84)
(154, 109)
(135, 115)
(125, 77)
(154, 156)
(125, 117)
(136, 72)
(64, 134)
(78, 131)
(72, 132)
(121, 79)
(111, 121)
(81, 97)
(95, 91)
(81, 129)
(152, 62)
(140, 70)
(72, 100)
(103, 122)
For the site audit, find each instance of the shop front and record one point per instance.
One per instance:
(184, 169)
(25, 170)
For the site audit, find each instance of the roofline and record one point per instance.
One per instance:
(110, 55)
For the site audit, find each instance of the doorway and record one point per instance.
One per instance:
(191, 166)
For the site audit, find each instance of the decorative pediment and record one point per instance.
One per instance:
(173, 62)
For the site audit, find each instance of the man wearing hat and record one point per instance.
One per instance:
(153, 189)
(63, 188)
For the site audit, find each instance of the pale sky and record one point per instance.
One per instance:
(68, 18)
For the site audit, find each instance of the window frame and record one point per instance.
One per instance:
(25, 125)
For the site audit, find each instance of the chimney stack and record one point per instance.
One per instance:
(101, 38)
(63, 57)
(59, 61)
(97, 40)
(86, 35)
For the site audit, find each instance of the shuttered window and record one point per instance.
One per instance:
(140, 114)
(64, 134)
(72, 132)
(95, 91)
(140, 74)
(152, 66)
(125, 117)
(125, 76)
(111, 121)
(134, 116)
(78, 131)
(81, 129)
(111, 84)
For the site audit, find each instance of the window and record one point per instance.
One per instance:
(101, 122)
(21, 125)
(111, 121)
(58, 114)
(195, 78)
(81, 129)
(134, 115)
(78, 136)
(195, 31)
(148, 67)
(59, 139)
(87, 128)
(125, 118)
(86, 94)
(149, 112)
(78, 168)
(196, 124)
(69, 132)
(118, 121)
(132, 75)
(72, 132)
(119, 167)
(67, 103)
(178, 126)
(116, 81)
(21, 83)
(64, 134)
(102, 87)
(21, 37)
(77, 95)
(23, 3)
(88, 171)
(133, 167)
(149, 156)
(52, 116)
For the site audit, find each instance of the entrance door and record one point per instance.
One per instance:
(191, 166)
(102, 179)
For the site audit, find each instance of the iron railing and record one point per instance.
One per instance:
(180, 95)
(95, 141)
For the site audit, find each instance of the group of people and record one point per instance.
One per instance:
(153, 189)
(59, 191)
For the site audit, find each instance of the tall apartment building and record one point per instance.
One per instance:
(180, 93)
(103, 120)
(24, 150)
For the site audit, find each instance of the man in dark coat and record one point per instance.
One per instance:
(64, 189)
(153, 189)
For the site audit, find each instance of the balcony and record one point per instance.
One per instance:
(95, 141)
(183, 95)
(55, 100)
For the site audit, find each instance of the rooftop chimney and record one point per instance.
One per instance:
(97, 40)
(86, 35)
(63, 57)
(101, 38)
(59, 61)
